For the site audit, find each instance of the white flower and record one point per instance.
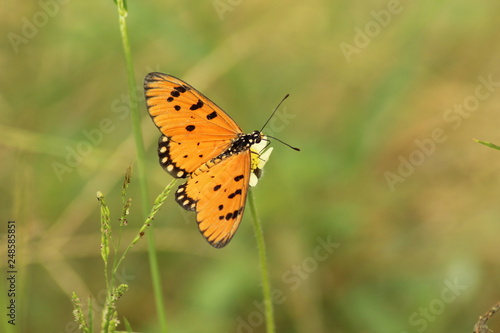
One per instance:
(259, 157)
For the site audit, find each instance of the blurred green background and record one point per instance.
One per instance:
(386, 97)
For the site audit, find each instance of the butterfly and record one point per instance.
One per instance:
(202, 143)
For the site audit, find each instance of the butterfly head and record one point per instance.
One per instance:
(256, 137)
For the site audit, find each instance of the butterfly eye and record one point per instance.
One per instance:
(256, 136)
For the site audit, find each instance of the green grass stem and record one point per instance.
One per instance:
(266, 286)
(135, 117)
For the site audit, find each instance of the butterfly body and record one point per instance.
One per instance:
(202, 143)
(242, 143)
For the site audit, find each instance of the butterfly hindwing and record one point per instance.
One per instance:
(218, 194)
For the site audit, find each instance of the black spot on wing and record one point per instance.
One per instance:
(233, 215)
(211, 115)
(190, 128)
(238, 178)
(235, 193)
(217, 187)
(197, 105)
(181, 89)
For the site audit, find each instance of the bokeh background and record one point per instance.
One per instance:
(386, 98)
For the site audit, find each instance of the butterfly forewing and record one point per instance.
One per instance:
(195, 129)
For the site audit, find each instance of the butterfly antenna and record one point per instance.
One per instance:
(286, 144)
(272, 114)
(276, 109)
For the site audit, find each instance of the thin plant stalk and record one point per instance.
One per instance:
(135, 117)
(488, 144)
(147, 223)
(109, 312)
(266, 286)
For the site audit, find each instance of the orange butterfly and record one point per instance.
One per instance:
(202, 143)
